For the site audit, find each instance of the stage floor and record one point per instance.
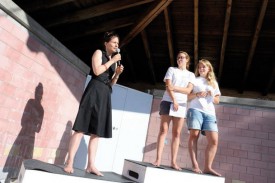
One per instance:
(35, 171)
(38, 171)
(148, 173)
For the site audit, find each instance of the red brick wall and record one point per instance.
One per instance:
(30, 128)
(246, 151)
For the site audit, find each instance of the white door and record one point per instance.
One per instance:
(133, 130)
(107, 147)
(130, 115)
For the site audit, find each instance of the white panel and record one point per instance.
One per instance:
(131, 112)
(149, 174)
(80, 160)
(107, 147)
(133, 130)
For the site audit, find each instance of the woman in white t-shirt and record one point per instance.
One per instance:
(179, 83)
(201, 116)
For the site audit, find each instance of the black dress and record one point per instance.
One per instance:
(95, 110)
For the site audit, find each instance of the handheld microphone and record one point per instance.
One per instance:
(117, 51)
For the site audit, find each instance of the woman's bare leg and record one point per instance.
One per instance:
(73, 146)
(193, 148)
(210, 152)
(176, 132)
(92, 148)
(164, 126)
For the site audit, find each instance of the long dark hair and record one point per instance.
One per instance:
(109, 35)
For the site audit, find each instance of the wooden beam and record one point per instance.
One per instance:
(254, 43)
(95, 11)
(224, 39)
(145, 19)
(196, 32)
(102, 27)
(148, 55)
(169, 37)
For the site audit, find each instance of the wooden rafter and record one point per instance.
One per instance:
(102, 9)
(145, 19)
(169, 37)
(148, 55)
(196, 32)
(254, 43)
(224, 39)
(104, 26)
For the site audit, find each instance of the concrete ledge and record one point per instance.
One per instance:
(147, 173)
(36, 29)
(33, 171)
(248, 102)
(232, 100)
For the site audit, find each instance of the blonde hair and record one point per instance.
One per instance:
(210, 77)
(187, 58)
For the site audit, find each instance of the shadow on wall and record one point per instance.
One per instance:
(61, 151)
(40, 42)
(46, 59)
(66, 71)
(23, 146)
(150, 147)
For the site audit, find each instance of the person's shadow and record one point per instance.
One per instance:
(62, 149)
(23, 145)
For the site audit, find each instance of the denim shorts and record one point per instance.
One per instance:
(201, 121)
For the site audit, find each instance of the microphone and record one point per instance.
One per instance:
(117, 52)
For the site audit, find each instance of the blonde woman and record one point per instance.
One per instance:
(179, 83)
(201, 116)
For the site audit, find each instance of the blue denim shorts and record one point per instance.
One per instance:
(201, 121)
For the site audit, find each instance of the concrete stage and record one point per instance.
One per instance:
(148, 173)
(34, 171)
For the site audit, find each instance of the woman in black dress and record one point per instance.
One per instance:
(94, 116)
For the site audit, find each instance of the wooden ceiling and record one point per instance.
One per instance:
(237, 36)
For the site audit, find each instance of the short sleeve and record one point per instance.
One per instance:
(217, 89)
(192, 78)
(169, 73)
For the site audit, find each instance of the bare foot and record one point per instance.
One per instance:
(68, 169)
(197, 170)
(156, 163)
(212, 172)
(176, 167)
(95, 171)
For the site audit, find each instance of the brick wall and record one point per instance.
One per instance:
(246, 151)
(40, 91)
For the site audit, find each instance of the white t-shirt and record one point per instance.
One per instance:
(179, 78)
(204, 104)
